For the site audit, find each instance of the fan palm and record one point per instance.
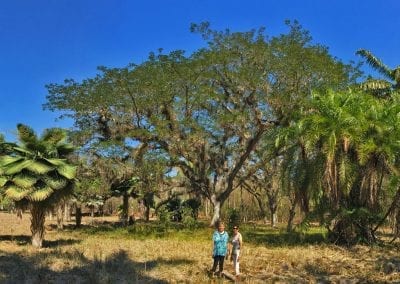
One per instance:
(36, 174)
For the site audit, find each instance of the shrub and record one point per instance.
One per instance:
(234, 218)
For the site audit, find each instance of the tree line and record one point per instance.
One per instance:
(275, 115)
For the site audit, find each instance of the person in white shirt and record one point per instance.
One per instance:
(236, 246)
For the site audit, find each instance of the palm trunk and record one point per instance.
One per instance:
(78, 216)
(125, 209)
(60, 216)
(67, 211)
(292, 213)
(38, 216)
(147, 213)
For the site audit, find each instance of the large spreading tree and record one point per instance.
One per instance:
(207, 112)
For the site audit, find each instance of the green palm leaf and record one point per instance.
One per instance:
(16, 167)
(16, 193)
(57, 162)
(3, 181)
(7, 160)
(38, 167)
(55, 183)
(23, 150)
(376, 63)
(373, 84)
(67, 171)
(24, 181)
(40, 194)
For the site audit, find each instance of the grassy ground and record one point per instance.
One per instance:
(139, 254)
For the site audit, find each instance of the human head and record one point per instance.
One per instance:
(235, 229)
(221, 226)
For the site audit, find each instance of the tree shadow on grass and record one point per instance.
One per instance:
(263, 235)
(23, 240)
(42, 268)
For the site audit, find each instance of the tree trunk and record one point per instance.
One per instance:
(125, 209)
(147, 213)
(217, 204)
(60, 216)
(92, 213)
(38, 216)
(78, 216)
(274, 217)
(67, 211)
(207, 206)
(292, 213)
(273, 207)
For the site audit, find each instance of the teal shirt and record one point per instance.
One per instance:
(220, 243)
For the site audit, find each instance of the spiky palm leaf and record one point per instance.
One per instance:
(40, 167)
(375, 63)
(17, 193)
(16, 167)
(40, 194)
(55, 183)
(378, 86)
(67, 171)
(24, 180)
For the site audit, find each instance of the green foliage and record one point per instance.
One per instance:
(206, 112)
(35, 170)
(234, 218)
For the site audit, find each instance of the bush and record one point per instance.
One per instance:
(234, 218)
(193, 204)
(188, 220)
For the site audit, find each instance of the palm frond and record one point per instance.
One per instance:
(38, 167)
(16, 193)
(65, 149)
(24, 180)
(7, 160)
(55, 183)
(22, 150)
(67, 171)
(54, 135)
(56, 162)
(375, 63)
(3, 181)
(375, 85)
(16, 167)
(26, 134)
(40, 194)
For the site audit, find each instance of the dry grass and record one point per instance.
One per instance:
(107, 255)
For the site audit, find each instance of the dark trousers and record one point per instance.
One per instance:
(218, 260)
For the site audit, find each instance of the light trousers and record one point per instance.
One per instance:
(235, 259)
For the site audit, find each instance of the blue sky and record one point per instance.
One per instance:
(47, 41)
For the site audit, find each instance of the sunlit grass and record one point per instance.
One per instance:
(151, 253)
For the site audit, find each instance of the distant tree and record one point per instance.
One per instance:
(37, 175)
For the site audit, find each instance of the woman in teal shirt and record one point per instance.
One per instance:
(220, 248)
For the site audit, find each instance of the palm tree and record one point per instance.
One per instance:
(380, 87)
(357, 137)
(36, 174)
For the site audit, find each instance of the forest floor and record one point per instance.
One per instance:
(104, 253)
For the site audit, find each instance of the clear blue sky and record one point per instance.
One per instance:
(46, 41)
